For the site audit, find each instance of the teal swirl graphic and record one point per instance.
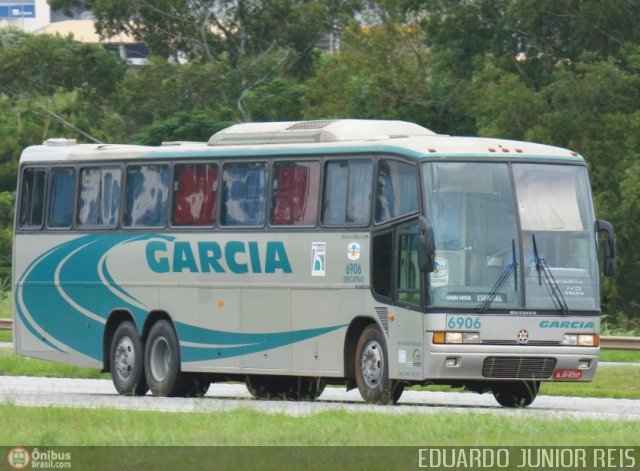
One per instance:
(66, 295)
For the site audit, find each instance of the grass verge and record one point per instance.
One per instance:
(618, 382)
(16, 365)
(624, 356)
(61, 426)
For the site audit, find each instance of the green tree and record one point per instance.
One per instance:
(183, 126)
(10, 36)
(7, 202)
(40, 64)
(381, 72)
(251, 43)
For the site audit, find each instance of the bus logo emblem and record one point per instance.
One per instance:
(353, 251)
(523, 337)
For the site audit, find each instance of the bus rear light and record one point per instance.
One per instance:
(456, 337)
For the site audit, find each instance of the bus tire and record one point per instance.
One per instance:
(126, 361)
(372, 369)
(516, 394)
(162, 362)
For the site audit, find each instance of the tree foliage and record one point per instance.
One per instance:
(250, 43)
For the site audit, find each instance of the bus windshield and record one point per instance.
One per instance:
(485, 236)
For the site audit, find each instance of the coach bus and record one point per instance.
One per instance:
(292, 255)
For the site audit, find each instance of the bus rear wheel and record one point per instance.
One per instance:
(162, 362)
(516, 394)
(126, 361)
(372, 369)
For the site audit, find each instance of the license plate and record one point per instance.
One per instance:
(567, 374)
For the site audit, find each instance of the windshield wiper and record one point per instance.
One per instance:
(550, 282)
(504, 276)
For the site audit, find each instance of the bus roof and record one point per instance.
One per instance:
(306, 138)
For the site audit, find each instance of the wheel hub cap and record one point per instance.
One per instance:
(125, 358)
(160, 358)
(372, 364)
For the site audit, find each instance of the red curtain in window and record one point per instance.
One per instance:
(290, 199)
(195, 198)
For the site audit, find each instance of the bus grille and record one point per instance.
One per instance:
(518, 367)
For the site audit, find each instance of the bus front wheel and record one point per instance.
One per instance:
(372, 369)
(162, 361)
(126, 361)
(516, 393)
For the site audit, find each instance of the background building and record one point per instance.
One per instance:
(35, 16)
(27, 15)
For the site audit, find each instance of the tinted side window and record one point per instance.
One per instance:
(397, 193)
(244, 194)
(62, 191)
(381, 268)
(195, 187)
(347, 192)
(99, 203)
(32, 197)
(147, 190)
(294, 197)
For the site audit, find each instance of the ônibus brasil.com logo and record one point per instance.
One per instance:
(19, 458)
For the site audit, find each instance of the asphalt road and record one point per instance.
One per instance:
(93, 393)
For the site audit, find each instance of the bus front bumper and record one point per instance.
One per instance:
(491, 362)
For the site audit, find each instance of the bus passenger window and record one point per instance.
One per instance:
(146, 195)
(244, 194)
(194, 194)
(32, 197)
(294, 198)
(99, 203)
(397, 193)
(62, 190)
(347, 192)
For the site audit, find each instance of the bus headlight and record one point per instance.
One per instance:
(456, 337)
(581, 340)
(588, 340)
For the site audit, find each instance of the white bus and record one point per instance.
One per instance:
(373, 254)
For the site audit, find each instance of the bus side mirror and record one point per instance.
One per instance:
(609, 247)
(426, 245)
